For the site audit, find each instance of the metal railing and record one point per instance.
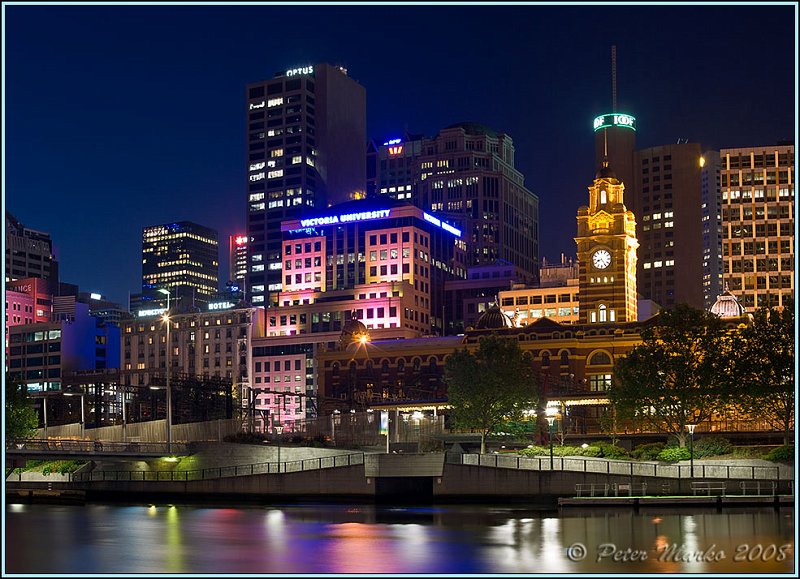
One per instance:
(618, 467)
(67, 447)
(307, 464)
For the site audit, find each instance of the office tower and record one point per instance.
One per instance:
(615, 142)
(305, 150)
(183, 258)
(466, 176)
(238, 259)
(669, 184)
(606, 253)
(29, 253)
(712, 227)
(758, 224)
(392, 168)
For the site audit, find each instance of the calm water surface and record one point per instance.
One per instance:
(368, 539)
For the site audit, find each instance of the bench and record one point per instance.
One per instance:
(757, 486)
(707, 487)
(592, 490)
(621, 489)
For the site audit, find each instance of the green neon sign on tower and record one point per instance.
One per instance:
(615, 120)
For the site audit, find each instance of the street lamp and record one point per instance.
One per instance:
(691, 448)
(279, 431)
(169, 363)
(83, 420)
(550, 414)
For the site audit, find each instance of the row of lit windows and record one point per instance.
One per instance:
(660, 263)
(160, 235)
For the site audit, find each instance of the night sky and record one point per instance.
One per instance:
(119, 117)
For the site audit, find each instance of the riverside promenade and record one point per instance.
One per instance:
(230, 472)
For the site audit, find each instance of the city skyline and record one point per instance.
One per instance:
(149, 99)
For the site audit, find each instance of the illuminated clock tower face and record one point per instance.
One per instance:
(601, 259)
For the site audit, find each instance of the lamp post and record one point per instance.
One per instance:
(550, 414)
(417, 416)
(83, 419)
(690, 427)
(169, 363)
(279, 431)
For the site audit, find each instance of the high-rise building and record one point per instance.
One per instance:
(758, 224)
(238, 259)
(393, 167)
(29, 253)
(615, 142)
(668, 181)
(712, 227)
(466, 175)
(305, 149)
(183, 258)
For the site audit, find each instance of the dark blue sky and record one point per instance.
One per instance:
(119, 117)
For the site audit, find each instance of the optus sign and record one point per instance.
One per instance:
(615, 120)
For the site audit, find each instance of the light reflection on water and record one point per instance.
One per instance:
(368, 539)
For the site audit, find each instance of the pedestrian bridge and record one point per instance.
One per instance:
(61, 449)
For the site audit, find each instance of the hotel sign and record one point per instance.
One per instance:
(220, 306)
(153, 312)
(615, 120)
(439, 223)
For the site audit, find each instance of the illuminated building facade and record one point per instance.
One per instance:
(670, 188)
(711, 208)
(606, 253)
(183, 258)
(384, 259)
(466, 175)
(393, 167)
(213, 343)
(758, 224)
(305, 151)
(41, 353)
(238, 259)
(29, 253)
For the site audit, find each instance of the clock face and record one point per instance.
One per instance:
(601, 259)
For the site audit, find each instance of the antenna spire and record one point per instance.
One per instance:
(605, 148)
(614, 78)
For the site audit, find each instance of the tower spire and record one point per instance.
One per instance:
(614, 78)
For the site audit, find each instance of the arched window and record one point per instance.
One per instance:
(600, 359)
(432, 364)
(401, 365)
(385, 366)
(565, 358)
(603, 198)
(602, 313)
(417, 364)
(545, 359)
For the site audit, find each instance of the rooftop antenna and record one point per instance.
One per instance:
(614, 78)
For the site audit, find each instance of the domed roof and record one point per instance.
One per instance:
(474, 129)
(605, 172)
(727, 306)
(352, 330)
(493, 319)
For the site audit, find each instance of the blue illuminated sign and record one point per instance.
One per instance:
(345, 218)
(439, 223)
(393, 142)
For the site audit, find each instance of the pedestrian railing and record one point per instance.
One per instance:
(66, 446)
(308, 464)
(618, 467)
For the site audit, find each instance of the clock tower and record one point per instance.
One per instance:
(607, 253)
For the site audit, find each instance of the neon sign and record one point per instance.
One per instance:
(95, 296)
(615, 120)
(221, 305)
(393, 142)
(439, 223)
(396, 150)
(345, 218)
(301, 70)
(260, 105)
(153, 312)
(257, 166)
(241, 239)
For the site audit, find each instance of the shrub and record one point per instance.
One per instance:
(712, 446)
(67, 466)
(781, 454)
(608, 450)
(674, 454)
(561, 451)
(536, 451)
(47, 469)
(648, 451)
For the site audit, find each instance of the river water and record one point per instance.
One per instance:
(332, 538)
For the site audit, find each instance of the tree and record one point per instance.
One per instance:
(21, 418)
(490, 386)
(678, 375)
(762, 366)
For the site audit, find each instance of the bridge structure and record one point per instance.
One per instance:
(19, 451)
